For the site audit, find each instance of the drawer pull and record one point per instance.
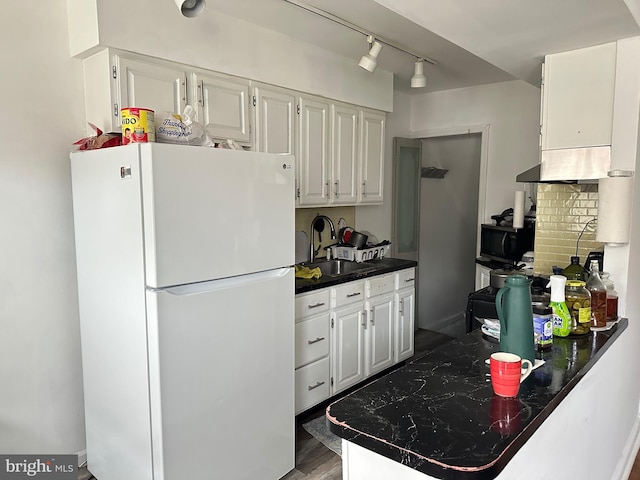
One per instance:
(318, 339)
(311, 387)
(349, 295)
(409, 280)
(319, 304)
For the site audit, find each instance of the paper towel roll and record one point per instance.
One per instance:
(518, 210)
(615, 195)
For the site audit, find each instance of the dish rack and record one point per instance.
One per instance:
(354, 255)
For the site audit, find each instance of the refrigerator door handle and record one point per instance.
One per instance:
(224, 283)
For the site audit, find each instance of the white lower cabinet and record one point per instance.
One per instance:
(312, 348)
(348, 347)
(349, 332)
(405, 304)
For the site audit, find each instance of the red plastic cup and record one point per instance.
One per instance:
(506, 373)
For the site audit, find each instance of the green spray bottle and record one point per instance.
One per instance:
(561, 317)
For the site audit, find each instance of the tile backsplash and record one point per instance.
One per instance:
(561, 215)
(304, 216)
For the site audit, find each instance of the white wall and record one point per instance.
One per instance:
(512, 109)
(41, 407)
(225, 44)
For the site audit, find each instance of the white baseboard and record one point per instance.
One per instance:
(629, 454)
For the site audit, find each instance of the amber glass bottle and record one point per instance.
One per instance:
(598, 296)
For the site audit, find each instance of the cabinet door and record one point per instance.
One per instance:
(157, 86)
(313, 152)
(379, 343)
(578, 97)
(404, 324)
(348, 347)
(224, 107)
(344, 149)
(483, 276)
(372, 125)
(274, 123)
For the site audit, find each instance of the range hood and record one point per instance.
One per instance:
(569, 165)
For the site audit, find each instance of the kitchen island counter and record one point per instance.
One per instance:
(438, 417)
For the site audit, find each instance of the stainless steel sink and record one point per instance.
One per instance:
(337, 268)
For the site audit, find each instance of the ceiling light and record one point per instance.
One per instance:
(419, 80)
(370, 61)
(190, 8)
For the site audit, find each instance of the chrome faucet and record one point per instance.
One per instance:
(314, 252)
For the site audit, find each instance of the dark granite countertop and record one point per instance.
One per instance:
(439, 415)
(378, 267)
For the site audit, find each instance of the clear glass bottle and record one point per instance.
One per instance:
(578, 300)
(598, 293)
(574, 271)
(612, 298)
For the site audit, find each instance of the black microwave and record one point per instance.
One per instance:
(506, 244)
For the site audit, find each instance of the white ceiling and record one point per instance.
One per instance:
(474, 42)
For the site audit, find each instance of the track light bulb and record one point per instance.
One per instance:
(418, 80)
(191, 8)
(370, 61)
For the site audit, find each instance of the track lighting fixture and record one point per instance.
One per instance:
(191, 8)
(418, 80)
(370, 61)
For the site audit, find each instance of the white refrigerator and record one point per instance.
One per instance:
(186, 290)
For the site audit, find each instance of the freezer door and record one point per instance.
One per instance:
(212, 213)
(221, 368)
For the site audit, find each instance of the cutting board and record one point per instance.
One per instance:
(302, 247)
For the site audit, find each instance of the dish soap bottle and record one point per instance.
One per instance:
(598, 292)
(561, 317)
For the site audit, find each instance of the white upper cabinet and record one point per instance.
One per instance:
(341, 154)
(313, 152)
(223, 106)
(344, 154)
(578, 95)
(158, 87)
(371, 165)
(115, 80)
(274, 120)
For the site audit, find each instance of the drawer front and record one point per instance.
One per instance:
(348, 293)
(312, 339)
(406, 278)
(312, 384)
(313, 303)
(379, 285)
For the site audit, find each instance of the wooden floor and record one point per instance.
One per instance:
(314, 461)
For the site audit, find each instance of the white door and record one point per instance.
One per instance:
(149, 85)
(379, 334)
(404, 324)
(221, 367)
(348, 347)
(275, 124)
(344, 145)
(213, 213)
(224, 107)
(313, 156)
(372, 126)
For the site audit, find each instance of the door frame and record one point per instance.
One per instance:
(483, 129)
